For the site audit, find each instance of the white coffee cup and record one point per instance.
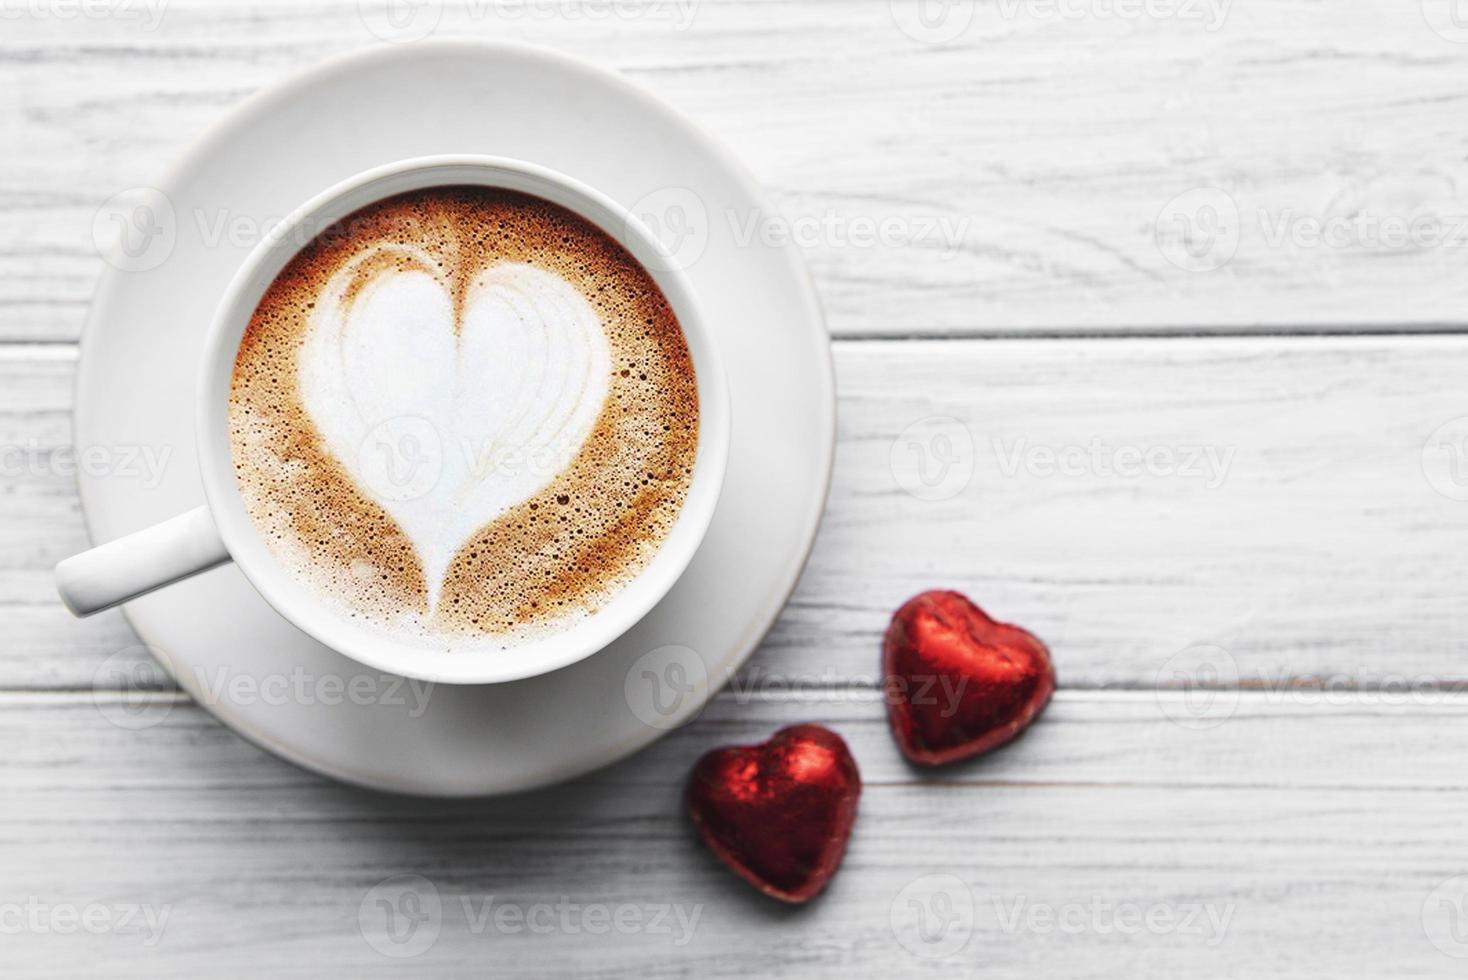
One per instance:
(222, 531)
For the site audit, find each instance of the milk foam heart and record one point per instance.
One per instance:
(465, 417)
(448, 413)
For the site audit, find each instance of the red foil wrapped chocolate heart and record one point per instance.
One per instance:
(958, 683)
(778, 813)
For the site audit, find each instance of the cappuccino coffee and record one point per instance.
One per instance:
(464, 416)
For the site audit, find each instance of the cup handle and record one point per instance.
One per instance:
(129, 567)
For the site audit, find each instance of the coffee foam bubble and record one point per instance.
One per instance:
(464, 416)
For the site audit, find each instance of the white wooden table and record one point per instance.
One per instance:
(1298, 313)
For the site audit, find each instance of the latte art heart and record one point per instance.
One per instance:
(446, 414)
(464, 417)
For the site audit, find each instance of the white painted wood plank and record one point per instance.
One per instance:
(1319, 832)
(41, 523)
(1322, 550)
(1050, 146)
(1322, 826)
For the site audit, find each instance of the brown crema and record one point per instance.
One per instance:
(543, 563)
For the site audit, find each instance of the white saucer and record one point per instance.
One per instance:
(140, 357)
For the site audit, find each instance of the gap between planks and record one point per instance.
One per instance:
(1450, 698)
(69, 350)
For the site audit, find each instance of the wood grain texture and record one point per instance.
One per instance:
(1315, 834)
(1295, 595)
(1286, 518)
(1025, 171)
